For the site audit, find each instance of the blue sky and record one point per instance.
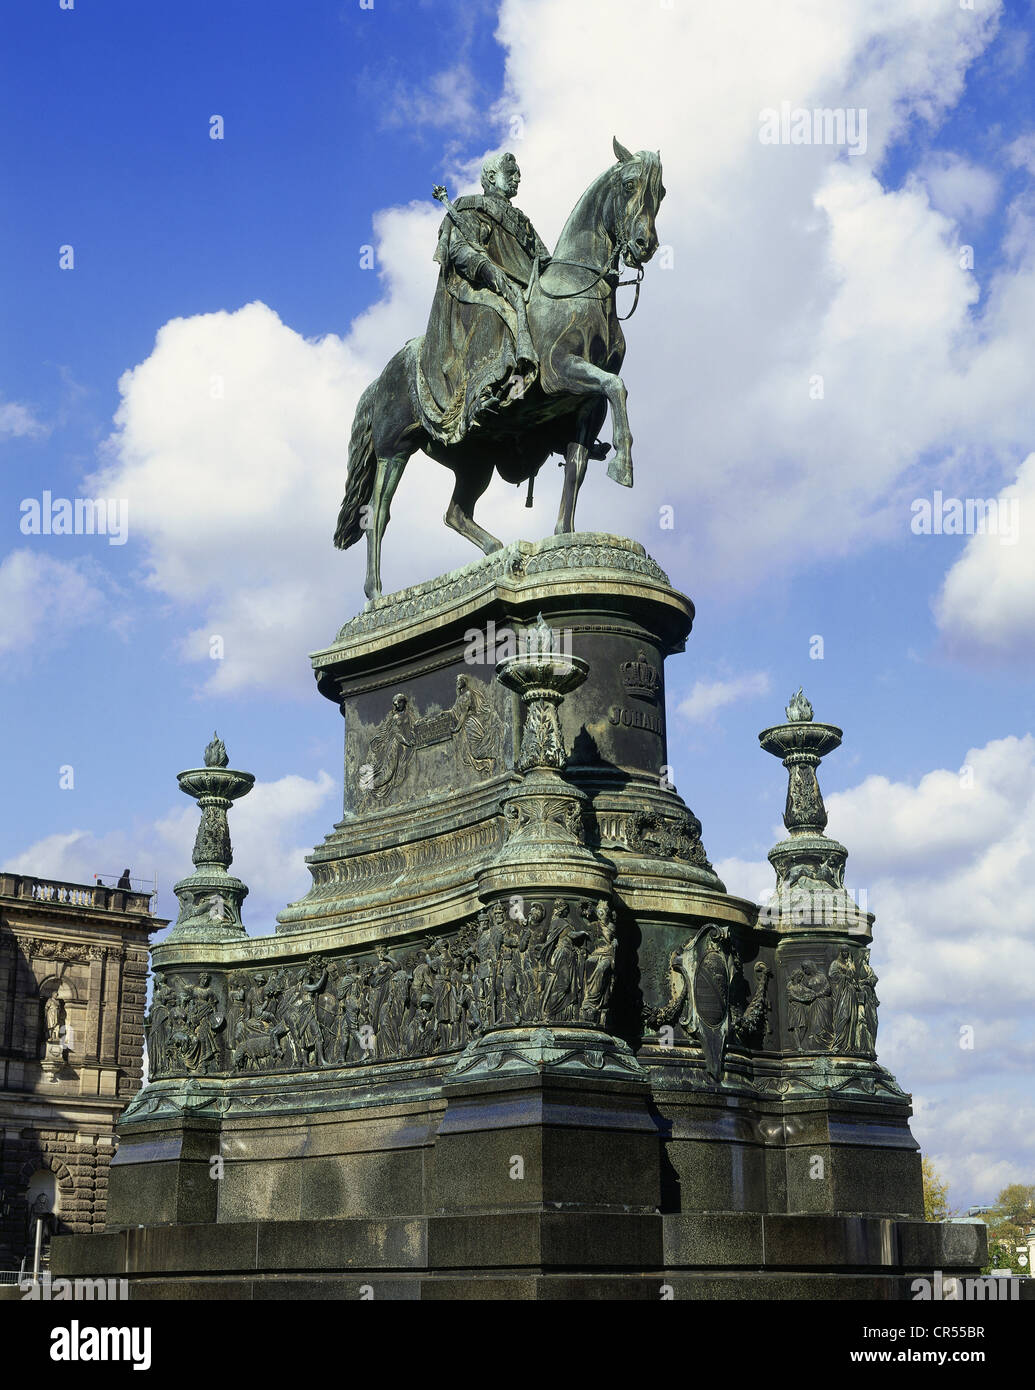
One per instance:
(792, 514)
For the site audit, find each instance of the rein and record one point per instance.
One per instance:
(610, 269)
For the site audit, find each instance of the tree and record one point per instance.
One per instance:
(936, 1193)
(1009, 1223)
(1016, 1204)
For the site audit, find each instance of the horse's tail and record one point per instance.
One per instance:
(359, 482)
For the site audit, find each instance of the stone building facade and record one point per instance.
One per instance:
(73, 975)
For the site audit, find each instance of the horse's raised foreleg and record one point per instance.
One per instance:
(471, 482)
(580, 377)
(386, 480)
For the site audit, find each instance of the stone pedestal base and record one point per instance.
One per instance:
(548, 1163)
(531, 1255)
(368, 1100)
(551, 1118)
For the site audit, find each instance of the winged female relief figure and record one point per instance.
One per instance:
(521, 357)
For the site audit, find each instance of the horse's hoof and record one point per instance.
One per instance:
(620, 470)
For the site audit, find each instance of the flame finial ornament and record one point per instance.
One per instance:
(799, 711)
(539, 638)
(216, 754)
(210, 898)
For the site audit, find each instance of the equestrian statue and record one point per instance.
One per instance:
(521, 355)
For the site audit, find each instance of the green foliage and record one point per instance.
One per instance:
(1009, 1224)
(1016, 1204)
(936, 1193)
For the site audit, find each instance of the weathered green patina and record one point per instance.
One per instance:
(521, 358)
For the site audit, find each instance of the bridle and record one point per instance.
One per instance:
(606, 273)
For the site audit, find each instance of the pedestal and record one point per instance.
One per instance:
(517, 1040)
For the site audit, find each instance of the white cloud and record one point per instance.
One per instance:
(43, 597)
(19, 421)
(970, 1143)
(788, 264)
(267, 829)
(752, 879)
(961, 189)
(987, 603)
(949, 866)
(1021, 151)
(231, 445)
(446, 100)
(708, 697)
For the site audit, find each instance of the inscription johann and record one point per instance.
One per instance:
(636, 719)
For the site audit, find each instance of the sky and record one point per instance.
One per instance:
(834, 341)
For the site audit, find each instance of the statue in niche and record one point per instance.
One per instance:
(477, 728)
(54, 1017)
(535, 967)
(752, 1024)
(158, 1026)
(798, 997)
(866, 1005)
(712, 969)
(600, 967)
(392, 748)
(813, 1006)
(844, 995)
(512, 986)
(565, 966)
(199, 1022)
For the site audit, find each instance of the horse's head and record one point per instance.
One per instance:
(637, 192)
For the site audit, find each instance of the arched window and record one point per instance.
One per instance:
(43, 1184)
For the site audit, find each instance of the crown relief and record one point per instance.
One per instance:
(640, 677)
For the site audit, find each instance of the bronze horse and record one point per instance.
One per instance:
(573, 320)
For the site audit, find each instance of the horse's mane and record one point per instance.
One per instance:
(578, 220)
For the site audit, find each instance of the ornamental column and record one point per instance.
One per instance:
(210, 898)
(547, 1109)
